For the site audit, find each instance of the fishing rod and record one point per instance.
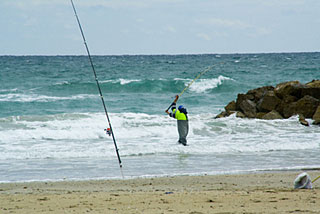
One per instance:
(199, 75)
(109, 130)
(315, 179)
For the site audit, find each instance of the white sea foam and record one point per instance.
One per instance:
(203, 85)
(125, 81)
(40, 98)
(8, 90)
(82, 135)
(63, 83)
(121, 81)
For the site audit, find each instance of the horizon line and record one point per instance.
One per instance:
(163, 54)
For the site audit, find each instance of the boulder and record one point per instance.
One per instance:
(283, 108)
(268, 102)
(307, 106)
(283, 101)
(316, 116)
(241, 98)
(272, 115)
(314, 84)
(231, 106)
(240, 114)
(221, 115)
(303, 121)
(292, 88)
(289, 99)
(258, 93)
(260, 115)
(311, 91)
(288, 109)
(248, 107)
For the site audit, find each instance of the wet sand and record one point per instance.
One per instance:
(242, 193)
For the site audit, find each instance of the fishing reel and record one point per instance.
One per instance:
(108, 131)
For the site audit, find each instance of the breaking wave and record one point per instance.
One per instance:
(82, 135)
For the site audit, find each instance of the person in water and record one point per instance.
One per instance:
(182, 120)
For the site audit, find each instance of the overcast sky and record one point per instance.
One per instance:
(114, 27)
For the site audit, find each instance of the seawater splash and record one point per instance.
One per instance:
(78, 143)
(73, 135)
(203, 85)
(121, 81)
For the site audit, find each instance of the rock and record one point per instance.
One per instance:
(241, 98)
(282, 108)
(288, 109)
(231, 106)
(258, 93)
(231, 112)
(272, 115)
(316, 123)
(240, 114)
(248, 107)
(292, 88)
(311, 90)
(290, 99)
(303, 121)
(268, 102)
(307, 106)
(283, 101)
(260, 115)
(221, 115)
(316, 116)
(314, 84)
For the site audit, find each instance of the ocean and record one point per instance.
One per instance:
(52, 120)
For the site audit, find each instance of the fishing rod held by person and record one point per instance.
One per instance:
(175, 101)
(199, 75)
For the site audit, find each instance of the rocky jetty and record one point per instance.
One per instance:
(280, 102)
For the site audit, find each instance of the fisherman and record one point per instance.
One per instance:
(182, 120)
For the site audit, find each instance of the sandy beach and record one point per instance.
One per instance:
(243, 193)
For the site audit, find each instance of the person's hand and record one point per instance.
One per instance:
(167, 111)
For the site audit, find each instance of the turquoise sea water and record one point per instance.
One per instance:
(52, 121)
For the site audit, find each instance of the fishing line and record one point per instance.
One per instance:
(199, 75)
(99, 89)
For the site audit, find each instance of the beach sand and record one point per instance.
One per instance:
(242, 193)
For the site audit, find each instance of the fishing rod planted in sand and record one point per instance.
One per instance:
(109, 130)
(199, 75)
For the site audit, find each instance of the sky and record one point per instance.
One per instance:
(118, 27)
